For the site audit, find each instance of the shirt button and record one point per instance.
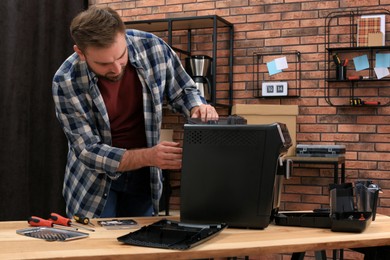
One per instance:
(105, 195)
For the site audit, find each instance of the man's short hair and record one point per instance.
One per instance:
(97, 27)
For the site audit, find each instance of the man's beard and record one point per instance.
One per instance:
(111, 77)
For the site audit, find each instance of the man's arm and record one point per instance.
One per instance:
(165, 155)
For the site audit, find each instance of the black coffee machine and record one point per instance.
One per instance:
(199, 68)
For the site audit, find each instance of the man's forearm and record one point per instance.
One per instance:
(134, 159)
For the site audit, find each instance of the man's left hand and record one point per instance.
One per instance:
(205, 112)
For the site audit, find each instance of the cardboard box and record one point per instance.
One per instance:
(268, 114)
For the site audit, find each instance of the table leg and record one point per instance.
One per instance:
(298, 256)
(336, 173)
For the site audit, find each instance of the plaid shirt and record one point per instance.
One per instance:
(92, 161)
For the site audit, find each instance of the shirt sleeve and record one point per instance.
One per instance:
(182, 93)
(84, 132)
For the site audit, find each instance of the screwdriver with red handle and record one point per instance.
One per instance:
(60, 220)
(40, 222)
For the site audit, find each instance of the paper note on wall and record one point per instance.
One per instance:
(361, 62)
(382, 60)
(381, 72)
(281, 63)
(272, 68)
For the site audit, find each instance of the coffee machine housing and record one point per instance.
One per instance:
(199, 68)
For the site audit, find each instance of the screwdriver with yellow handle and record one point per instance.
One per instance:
(60, 220)
(82, 220)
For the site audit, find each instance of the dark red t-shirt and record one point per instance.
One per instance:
(124, 103)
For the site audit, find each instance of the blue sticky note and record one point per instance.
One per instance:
(272, 68)
(361, 62)
(382, 60)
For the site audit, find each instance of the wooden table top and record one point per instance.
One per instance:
(103, 244)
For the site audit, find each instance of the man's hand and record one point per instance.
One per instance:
(204, 112)
(165, 155)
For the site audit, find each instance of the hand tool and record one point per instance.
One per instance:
(336, 60)
(52, 234)
(40, 222)
(354, 77)
(60, 220)
(82, 220)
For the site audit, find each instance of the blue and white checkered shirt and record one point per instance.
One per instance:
(92, 161)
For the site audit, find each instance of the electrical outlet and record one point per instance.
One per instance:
(274, 89)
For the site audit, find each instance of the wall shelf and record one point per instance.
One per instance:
(341, 34)
(189, 24)
(291, 75)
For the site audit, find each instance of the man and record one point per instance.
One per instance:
(108, 99)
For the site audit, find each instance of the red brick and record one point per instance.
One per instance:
(373, 174)
(263, 17)
(315, 199)
(231, 3)
(361, 165)
(317, 5)
(357, 128)
(167, 9)
(288, 197)
(150, 3)
(302, 189)
(246, 10)
(171, 2)
(199, 6)
(281, 24)
(263, 34)
(317, 128)
(136, 11)
(354, 3)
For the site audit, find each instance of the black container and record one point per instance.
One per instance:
(307, 219)
(341, 72)
(351, 221)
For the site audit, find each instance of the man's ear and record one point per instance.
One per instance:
(79, 52)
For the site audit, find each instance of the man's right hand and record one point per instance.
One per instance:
(165, 155)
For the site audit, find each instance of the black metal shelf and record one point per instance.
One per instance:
(291, 75)
(359, 48)
(340, 37)
(189, 24)
(358, 80)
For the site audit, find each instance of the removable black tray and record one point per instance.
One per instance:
(171, 235)
(351, 221)
(304, 219)
(355, 221)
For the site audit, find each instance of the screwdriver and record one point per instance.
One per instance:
(82, 220)
(60, 220)
(40, 222)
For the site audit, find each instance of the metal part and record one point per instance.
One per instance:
(51, 234)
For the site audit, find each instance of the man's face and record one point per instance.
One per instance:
(107, 62)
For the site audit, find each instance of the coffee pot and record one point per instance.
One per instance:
(199, 68)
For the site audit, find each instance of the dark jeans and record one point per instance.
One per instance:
(130, 196)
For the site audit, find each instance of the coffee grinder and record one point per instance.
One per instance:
(199, 68)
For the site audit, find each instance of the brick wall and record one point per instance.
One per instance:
(283, 25)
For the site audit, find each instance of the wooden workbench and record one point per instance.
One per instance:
(103, 243)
